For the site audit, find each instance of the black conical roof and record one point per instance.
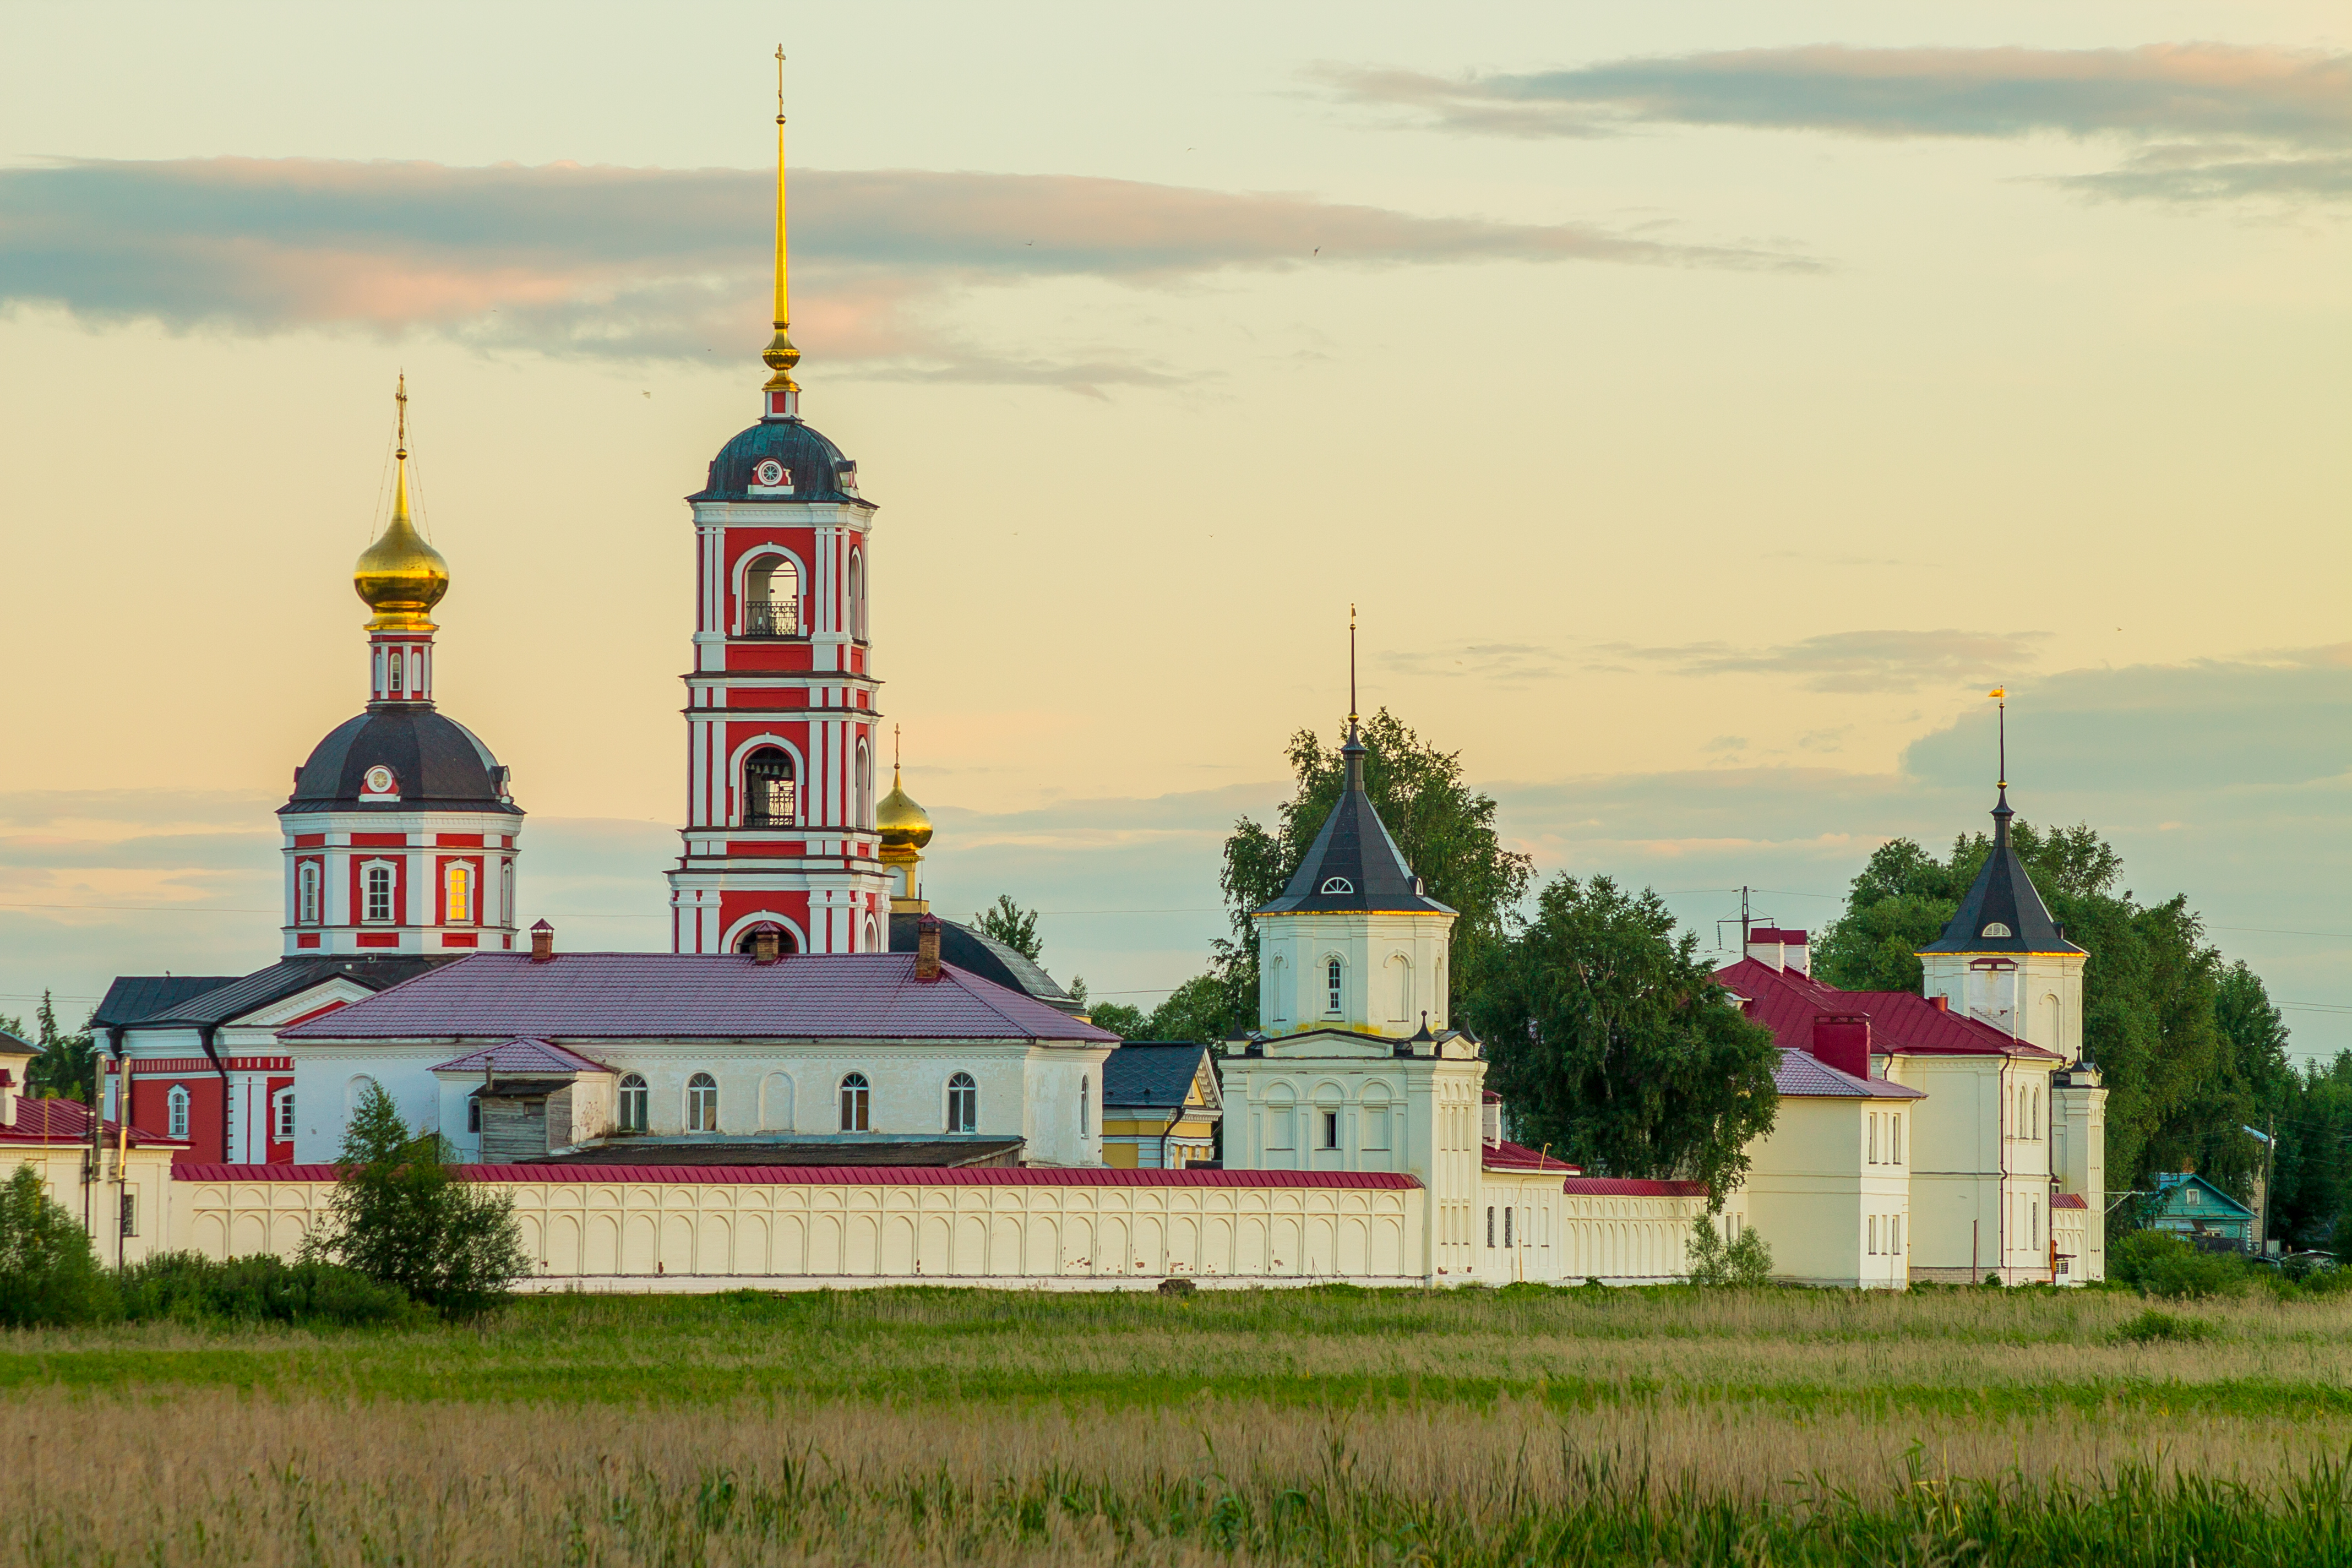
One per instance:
(1353, 865)
(2003, 911)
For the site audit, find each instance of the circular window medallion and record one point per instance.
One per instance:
(379, 780)
(770, 473)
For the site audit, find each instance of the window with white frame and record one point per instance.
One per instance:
(770, 789)
(1898, 1137)
(636, 1103)
(963, 1103)
(702, 1103)
(1332, 976)
(1327, 1129)
(457, 893)
(378, 880)
(1086, 1106)
(1490, 1225)
(857, 1102)
(306, 897)
(772, 598)
(129, 1213)
(282, 1109)
(177, 1110)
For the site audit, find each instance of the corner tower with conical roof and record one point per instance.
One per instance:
(401, 835)
(782, 701)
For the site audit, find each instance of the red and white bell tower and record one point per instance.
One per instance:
(780, 715)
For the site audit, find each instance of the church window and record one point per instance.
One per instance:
(771, 790)
(284, 1106)
(1086, 1106)
(702, 1103)
(858, 595)
(474, 1111)
(506, 892)
(1490, 1225)
(772, 598)
(636, 1099)
(393, 664)
(1400, 1002)
(1332, 985)
(306, 902)
(1338, 885)
(457, 897)
(378, 875)
(1506, 1227)
(857, 1100)
(177, 1104)
(1329, 1121)
(963, 1103)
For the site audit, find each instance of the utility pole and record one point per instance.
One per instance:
(2270, 1153)
(1743, 921)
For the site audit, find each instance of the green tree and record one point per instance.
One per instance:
(1745, 1264)
(1009, 923)
(2311, 1180)
(1203, 1008)
(400, 1217)
(47, 1272)
(62, 1070)
(1445, 828)
(1128, 1022)
(1611, 1040)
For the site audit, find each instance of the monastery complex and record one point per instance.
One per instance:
(823, 1082)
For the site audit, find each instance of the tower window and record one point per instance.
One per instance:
(306, 897)
(1331, 1129)
(636, 1101)
(1332, 985)
(393, 666)
(458, 899)
(963, 1103)
(176, 1104)
(702, 1103)
(772, 599)
(378, 880)
(1086, 1106)
(857, 1101)
(771, 790)
(284, 1106)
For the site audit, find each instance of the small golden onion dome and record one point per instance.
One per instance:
(400, 576)
(902, 824)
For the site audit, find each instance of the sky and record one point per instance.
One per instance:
(1702, 405)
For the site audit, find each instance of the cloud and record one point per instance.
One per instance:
(1511, 663)
(671, 263)
(1856, 661)
(2215, 119)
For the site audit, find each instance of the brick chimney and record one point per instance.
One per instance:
(542, 943)
(1841, 1041)
(767, 942)
(1795, 953)
(927, 948)
(1764, 945)
(8, 1098)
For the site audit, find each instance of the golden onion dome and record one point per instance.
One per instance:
(400, 576)
(902, 824)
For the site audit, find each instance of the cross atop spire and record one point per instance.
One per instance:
(784, 393)
(2001, 811)
(1354, 750)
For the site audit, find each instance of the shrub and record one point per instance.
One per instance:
(189, 1288)
(1745, 1264)
(2159, 1264)
(2153, 1327)
(401, 1219)
(48, 1275)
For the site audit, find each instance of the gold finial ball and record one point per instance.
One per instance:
(902, 824)
(400, 576)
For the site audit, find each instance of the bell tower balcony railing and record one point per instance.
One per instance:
(771, 618)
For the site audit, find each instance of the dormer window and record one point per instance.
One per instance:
(1338, 885)
(1997, 929)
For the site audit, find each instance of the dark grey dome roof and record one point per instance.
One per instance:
(437, 760)
(818, 469)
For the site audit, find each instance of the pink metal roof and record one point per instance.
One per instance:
(675, 995)
(522, 1057)
(1630, 1187)
(1900, 1023)
(846, 1175)
(1807, 1076)
(2068, 1201)
(67, 1122)
(1509, 1156)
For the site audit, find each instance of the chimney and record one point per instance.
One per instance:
(1940, 1003)
(1491, 1123)
(7, 1097)
(1795, 954)
(1841, 1041)
(767, 942)
(1764, 945)
(542, 943)
(927, 948)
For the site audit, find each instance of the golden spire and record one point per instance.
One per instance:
(400, 576)
(904, 825)
(781, 356)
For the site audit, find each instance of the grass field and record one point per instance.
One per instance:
(1319, 1425)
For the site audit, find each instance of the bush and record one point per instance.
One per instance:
(2153, 1327)
(48, 1275)
(2159, 1264)
(189, 1288)
(401, 1219)
(1745, 1264)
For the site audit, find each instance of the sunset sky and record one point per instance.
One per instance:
(1703, 404)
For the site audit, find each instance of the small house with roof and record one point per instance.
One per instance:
(2202, 1213)
(1160, 1105)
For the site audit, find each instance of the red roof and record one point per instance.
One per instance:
(1807, 1076)
(67, 1122)
(1787, 1003)
(691, 995)
(845, 1176)
(2068, 1201)
(1509, 1156)
(1630, 1187)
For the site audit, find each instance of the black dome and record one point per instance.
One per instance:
(437, 760)
(818, 469)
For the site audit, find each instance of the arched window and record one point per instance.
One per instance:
(1277, 991)
(392, 670)
(858, 595)
(1086, 1106)
(771, 790)
(785, 942)
(702, 1103)
(963, 1103)
(1401, 1003)
(177, 1104)
(506, 892)
(1332, 985)
(863, 814)
(282, 1118)
(457, 894)
(873, 936)
(306, 899)
(772, 598)
(378, 880)
(636, 1101)
(856, 1101)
